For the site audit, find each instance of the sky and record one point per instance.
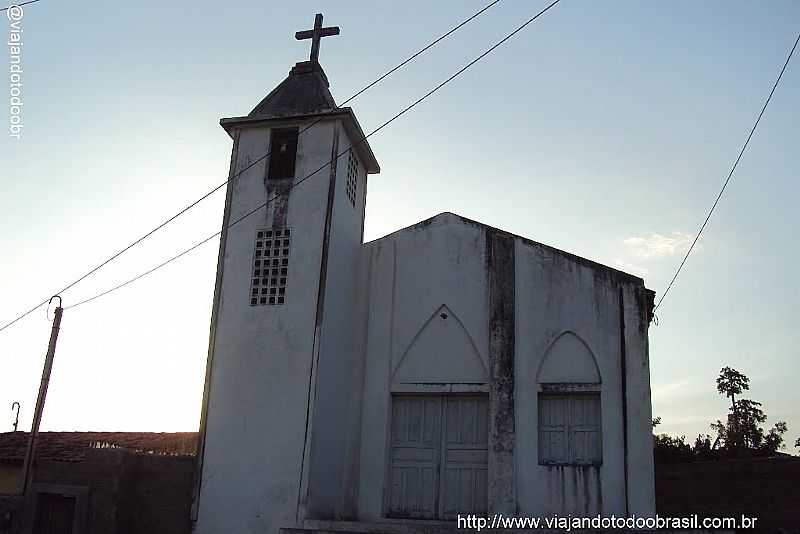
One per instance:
(605, 129)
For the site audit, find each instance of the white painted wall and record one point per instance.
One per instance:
(256, 418)
(414, 273)
(382, 331)
(642, 496)
(331, 491)
(441, 265)
(556, 294)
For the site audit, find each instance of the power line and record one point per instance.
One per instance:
(142, 275)
(19, 5)
(730, 174)
(359, 142)
(250, 165)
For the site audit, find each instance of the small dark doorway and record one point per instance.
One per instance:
(55, 514)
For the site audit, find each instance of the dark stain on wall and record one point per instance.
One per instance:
(598, 488)
(278, 202)
(501, 280)
(624, 387)
(645, 302)
(584, 482)
(612, 275)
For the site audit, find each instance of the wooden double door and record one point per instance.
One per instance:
(438, 456)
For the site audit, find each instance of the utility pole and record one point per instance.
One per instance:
(37, 415)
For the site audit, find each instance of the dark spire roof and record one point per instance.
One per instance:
(302, 96)
(304, 91)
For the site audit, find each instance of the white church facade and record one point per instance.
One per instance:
(448, 368)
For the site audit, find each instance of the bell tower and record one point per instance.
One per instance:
(271, 449)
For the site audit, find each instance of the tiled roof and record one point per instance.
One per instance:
(72, 446)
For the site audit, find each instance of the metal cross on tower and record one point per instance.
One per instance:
(315, 35)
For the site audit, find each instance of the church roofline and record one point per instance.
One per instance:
(345, 114)
(627, 277)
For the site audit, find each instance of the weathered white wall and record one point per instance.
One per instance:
(568, 359)
(408, 313)
(331, 488)
(641, 474)
(414, 273)
(559, 293)
(442, 352)
(556, 294)
(439, 266)
(256, 418)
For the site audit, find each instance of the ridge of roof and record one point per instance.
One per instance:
(448, 216)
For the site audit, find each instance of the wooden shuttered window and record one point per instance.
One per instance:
(570, 429)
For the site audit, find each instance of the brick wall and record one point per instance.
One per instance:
(767, 488)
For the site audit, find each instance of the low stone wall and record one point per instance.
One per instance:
(133, 493)
(9, 506)
(157, 495)
(767, 488)
(120, 492)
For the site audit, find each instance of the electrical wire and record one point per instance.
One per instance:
(360, 141)
(730, 175)
(19, 5)
(250, 165)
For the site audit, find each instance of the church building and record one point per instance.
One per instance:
(447, 368)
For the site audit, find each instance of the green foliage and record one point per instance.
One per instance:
(657, 421)
(669, 450)
(731, 382)
(703, 448)
(773, 441)
(742, 435)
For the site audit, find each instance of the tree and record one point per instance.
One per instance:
(774, 438)
(702, 447)
(721, 435)
(731, 382)
(797, 443)
(742, 434)
(746, 431)
(657, 421)
(669, 450)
